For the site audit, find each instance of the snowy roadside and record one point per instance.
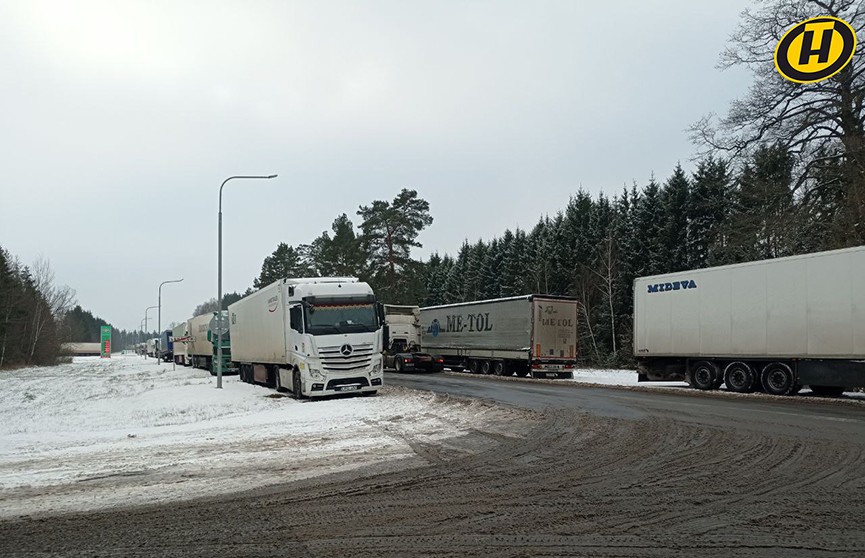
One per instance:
(613, 377)
(98, 433)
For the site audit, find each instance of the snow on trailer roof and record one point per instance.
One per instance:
(520, 297)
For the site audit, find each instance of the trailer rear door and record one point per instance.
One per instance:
(554, 328)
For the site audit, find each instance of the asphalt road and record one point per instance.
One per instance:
(802, 415)
(590, 472)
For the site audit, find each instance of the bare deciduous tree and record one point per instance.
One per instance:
(57, 300)
(820, 124)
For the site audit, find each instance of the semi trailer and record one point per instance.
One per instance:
(202, 349)
(166, 345)
(775, 325)
(524, 335)
(313, 336)
(151, 346)
(180, 333)
(403, 351)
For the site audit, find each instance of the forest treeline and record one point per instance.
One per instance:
(37, 316)
(31, 307)
(592, 249)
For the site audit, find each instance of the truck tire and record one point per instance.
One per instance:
(704, 374)
(295, 385)
(500, 368)
(398, 365)
(739, 377)
(486, 367)
(777, 379)
(522, 372)
(473, 366)
(277, 384)
(827, 391)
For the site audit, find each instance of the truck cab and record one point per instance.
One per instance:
(402, 341)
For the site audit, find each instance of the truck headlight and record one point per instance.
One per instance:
(315, 373)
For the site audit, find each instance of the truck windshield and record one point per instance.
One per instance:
(328, 319)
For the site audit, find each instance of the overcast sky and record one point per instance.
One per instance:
(121, 119)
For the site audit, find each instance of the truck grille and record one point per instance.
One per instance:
(333, 360)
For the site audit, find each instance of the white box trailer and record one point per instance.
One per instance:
(777, 324)
(201, 348)
(180, 333)
(530, 334)
(315, 336)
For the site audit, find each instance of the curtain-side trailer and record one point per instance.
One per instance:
(776, 324)
(522, 335)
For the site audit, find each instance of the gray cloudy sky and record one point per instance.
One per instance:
(121, 119)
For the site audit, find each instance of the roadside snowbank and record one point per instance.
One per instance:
(97, 433)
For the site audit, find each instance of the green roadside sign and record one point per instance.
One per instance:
(106, 342)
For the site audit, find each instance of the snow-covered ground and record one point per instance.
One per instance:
(97, 433)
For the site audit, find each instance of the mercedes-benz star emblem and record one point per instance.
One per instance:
(345, 349)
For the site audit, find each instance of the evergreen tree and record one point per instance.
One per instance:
(651, 254)
(766, 223)
(454, 283)
(389, 232)
(285, 261)
(340, 255)
(490, 280)
(676, 198)
(709, 210)
(514, 264)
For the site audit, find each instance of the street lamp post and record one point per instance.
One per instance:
(219, 327)
(149, 308)
(159, 314)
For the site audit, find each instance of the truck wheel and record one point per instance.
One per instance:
(277, 384)
(703, 375)
(486, 367)
(295, 385)
(398, 365)
(777, 379)
(473, 366)
(500, 368)
(827, 391)
(522, 372)
(739, 377)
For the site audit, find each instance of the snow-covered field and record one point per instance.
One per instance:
(97, 433)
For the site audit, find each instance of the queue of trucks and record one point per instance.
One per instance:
(774, 326)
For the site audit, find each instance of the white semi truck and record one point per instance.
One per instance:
(201, 345)
(180, 333)
(403, 351)
(776, 324)
(522, 335)
(314, 336)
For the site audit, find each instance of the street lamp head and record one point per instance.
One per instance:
(271, 176)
